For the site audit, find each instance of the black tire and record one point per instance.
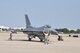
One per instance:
(29, 39)
(41, 40)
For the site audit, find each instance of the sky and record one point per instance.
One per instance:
(56, 13)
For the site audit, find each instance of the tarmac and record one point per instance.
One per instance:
(20, 44)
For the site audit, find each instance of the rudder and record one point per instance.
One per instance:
(27, 21)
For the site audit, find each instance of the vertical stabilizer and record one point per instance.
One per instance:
(27, 21)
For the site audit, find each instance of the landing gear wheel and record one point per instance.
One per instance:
(41, 40)
(29, 39)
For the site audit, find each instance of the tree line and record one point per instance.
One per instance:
(65, 30)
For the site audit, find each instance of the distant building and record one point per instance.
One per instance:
(3, 28)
